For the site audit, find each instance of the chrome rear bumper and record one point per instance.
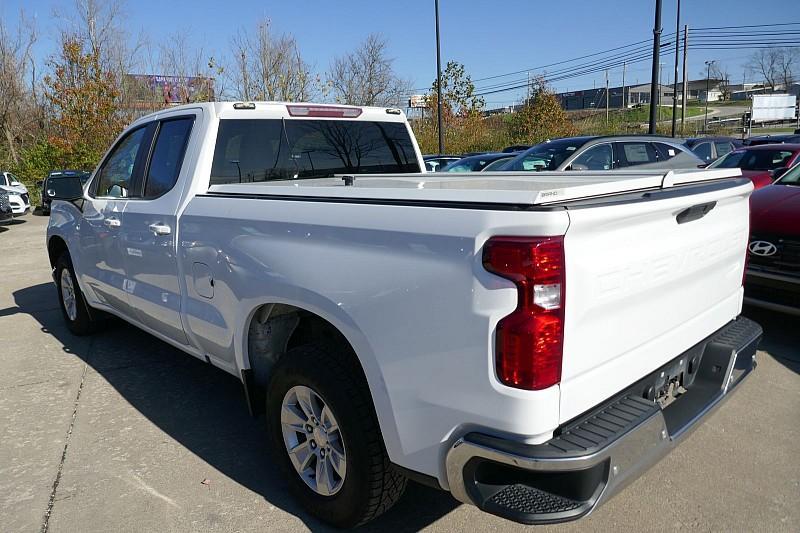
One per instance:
(597, 454)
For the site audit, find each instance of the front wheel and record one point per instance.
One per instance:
(325, 434)
(73, 304)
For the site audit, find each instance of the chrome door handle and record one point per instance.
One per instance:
(112, 222)
(160, 229)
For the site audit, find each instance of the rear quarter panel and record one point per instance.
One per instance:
(406, 287)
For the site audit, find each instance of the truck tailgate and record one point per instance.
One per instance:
(646, 280)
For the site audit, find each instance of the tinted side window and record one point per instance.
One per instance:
(703, 151)
(165, 163)
(114, 178)
(665, 151)
(723, 148)
(595, 158)
(635, 153)
(251, 150)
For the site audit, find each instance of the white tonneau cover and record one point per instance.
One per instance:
(524, 188)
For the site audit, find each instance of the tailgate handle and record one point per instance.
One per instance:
(695, 212)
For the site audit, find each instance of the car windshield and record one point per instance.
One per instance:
(495, 165)
(792, 177)
(469, 164)
(545, 156)
(754, 159)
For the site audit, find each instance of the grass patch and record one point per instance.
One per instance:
(642, 114)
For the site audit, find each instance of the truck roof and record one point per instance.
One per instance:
(287, 110)
(539, 188)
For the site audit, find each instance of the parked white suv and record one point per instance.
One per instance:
(530, 342)
(18, 196)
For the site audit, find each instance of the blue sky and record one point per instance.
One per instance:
(489, 37)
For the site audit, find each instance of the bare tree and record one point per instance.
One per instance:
(366, 77)
(193, 70)
(19, 113)
(100, 24)
(787, 65)
(719, 71)
(776, 66)
(269, 67)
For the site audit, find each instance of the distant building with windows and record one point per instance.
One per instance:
(631, 95)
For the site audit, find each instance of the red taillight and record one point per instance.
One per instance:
(747, 249)
(530, 341)
(323, 111)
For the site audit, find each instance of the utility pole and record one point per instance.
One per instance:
(708, 88)
(654, 74)
(685, 94)
(527, 101)
(606, 97)
(675, 83)
(624, 100)
(660, 77)
(439, 82)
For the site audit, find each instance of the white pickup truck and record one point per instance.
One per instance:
(530, 343)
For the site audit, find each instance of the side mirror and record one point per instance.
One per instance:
(39, 183)
(577, 166)
(67, 188)
(702, 165)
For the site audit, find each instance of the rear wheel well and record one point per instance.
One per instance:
(55, 247)
(273, 331)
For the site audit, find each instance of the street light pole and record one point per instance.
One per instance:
(708, 88)
(675, 81)
(654, 81)
(660, 77)
(439, 83)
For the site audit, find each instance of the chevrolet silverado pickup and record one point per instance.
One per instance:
(529, 342)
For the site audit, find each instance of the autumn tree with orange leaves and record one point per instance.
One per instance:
(541, 117)
(84, 99)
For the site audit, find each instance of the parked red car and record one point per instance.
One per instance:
(773, 272)
(763, 164)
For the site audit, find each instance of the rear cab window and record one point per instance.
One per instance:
(257, 150)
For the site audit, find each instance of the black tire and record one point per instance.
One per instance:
(371, 484)
(84, 323)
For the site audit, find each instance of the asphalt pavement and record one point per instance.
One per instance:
(121, 432)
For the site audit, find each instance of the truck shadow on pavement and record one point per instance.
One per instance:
(203, 409)
(781, 335)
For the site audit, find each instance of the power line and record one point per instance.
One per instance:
(747, 26)
(705, 38)
(596, 65)
(565, 61)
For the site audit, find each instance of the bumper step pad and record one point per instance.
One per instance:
(598, 453)
(530, 500)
